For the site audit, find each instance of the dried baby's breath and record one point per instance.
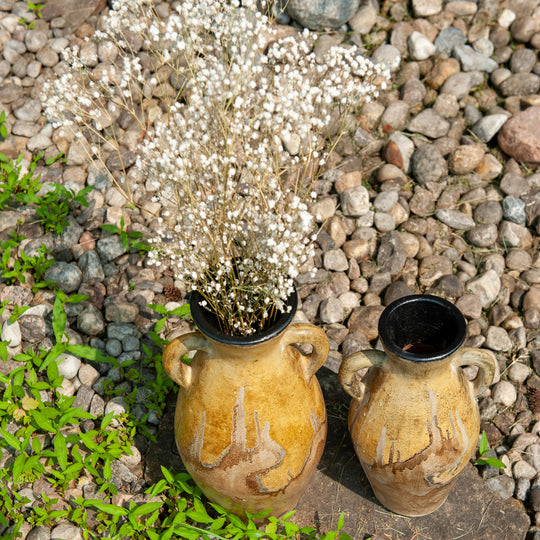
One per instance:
(244, 119)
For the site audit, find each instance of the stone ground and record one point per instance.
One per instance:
(436, 190)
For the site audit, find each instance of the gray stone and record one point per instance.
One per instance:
(391, 256)
(33, 328)
(396, 115)
(429, 123)
(448, 286)
(420, 47)
(384, 222)
(90, 264)
(317, 14)
(122, 312)
(385, 200)
(428, 165)
(355, 201)
(29, 112)
(335, 260)
(113, 347)
(446, 105)
(130, 343)
(449, 38)
(387, 55)
(518, 372)
(532, 456)
(514, 235)
(90, 321)
(364, 19)
(522, 489)
(488, 213)
(455, 219)
(116, 405)
(67, 276)
(35, 40)
(65, 531)
(83, 398)
(523, 28)
(520, 84)
(522, 60)
(110, 247)
(483, 235)
(412, 92)
(11, 333)
(470, 60)
(120, 331)
(331, 311)
(460, 84)
(502, 485)
(484, 46)
(487, 127)
(39, 533)
(514, 210)
(497, 339)
(470, 306)
(486, 287)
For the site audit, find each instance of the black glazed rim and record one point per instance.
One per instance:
(421, 318)
(207, 322)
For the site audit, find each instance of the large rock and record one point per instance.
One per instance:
(317, 14)
(520, 136)
(74, 12)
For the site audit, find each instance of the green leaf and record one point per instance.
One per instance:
(484, 445)
(18, 466)
(494, 462)
(158, 327)
(85, 351)
(42, 421)
(11, 439)
(162, 310)
(146, 508)
(110, 509)
(181, 311)
(59, 319)
(76, 298)
(60, 448)
(106, 420)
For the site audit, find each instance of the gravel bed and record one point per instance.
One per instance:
(437, 190)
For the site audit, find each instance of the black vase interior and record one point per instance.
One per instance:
(422, 328)
(207, 322)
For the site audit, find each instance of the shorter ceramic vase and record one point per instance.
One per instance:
(414, 419)
(250, 420)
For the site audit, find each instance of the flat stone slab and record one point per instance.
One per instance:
(472, 511)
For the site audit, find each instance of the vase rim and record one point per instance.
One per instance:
(206, 322)
(452, 326)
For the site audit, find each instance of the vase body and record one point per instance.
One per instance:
(414, 420)
(250, 419)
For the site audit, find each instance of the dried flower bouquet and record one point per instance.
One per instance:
(233, 121)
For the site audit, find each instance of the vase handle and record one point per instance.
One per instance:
(178, 371)
(470, 356)
(354, 363)
(308, 333)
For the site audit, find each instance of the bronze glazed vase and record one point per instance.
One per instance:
(414, 420)
(250, 420)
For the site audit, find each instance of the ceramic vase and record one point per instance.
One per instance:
(250, 420)
(414, 419)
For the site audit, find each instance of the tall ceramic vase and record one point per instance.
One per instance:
(250, 419)
(414, 420)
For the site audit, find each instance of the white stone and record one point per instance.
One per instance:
(425, 8)
(518, 372)
(506, 18)
(116, 405)
(67, 388)
(331, 311)
(486, 287)
(420, 48)
(68, 365)
(522, 469)
(504, 392)
(355, 201)
(11, 333)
